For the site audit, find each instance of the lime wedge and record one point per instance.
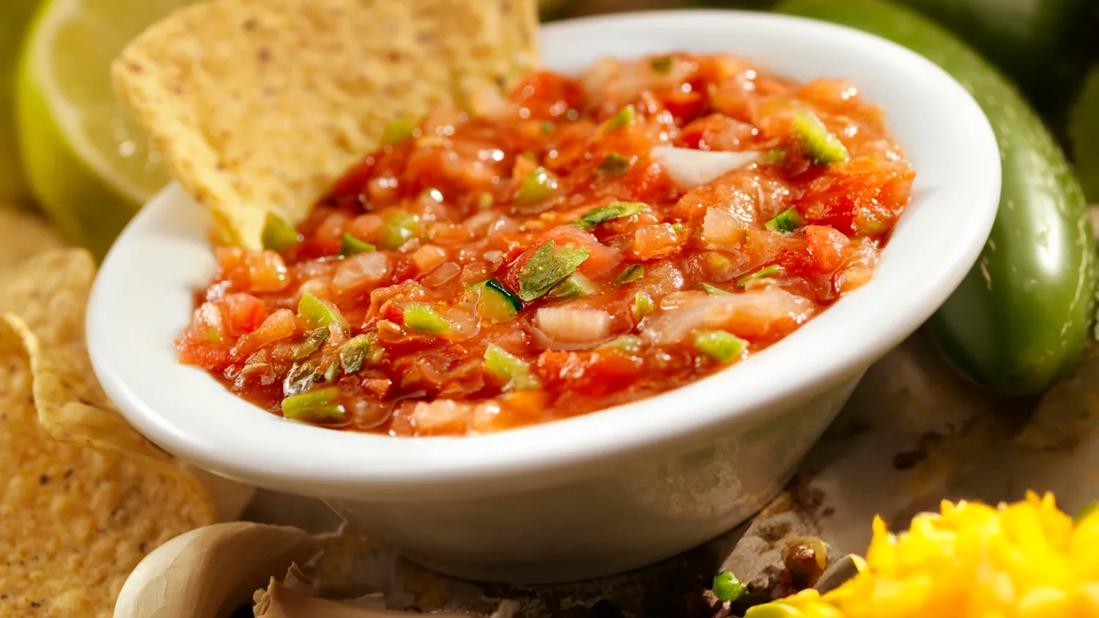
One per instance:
(14, 15)
(87, 162)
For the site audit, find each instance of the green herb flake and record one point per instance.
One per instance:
(614, 210)
(643, 305)
(513, 372)
(623, 117)
(786, 221)
(360, 351)
(349, 245)
(320, 313)
(538, 186)
(575, 285)
(817, 142)
(300, 378)
(485, 200)
(662, 64)
(614, 164)
(310, 343)
(727, 588)
(278, 235)
(629, 274)
(548, 266)
(772, 270)
(547, 127)
(397, 131)
(719, 345)
(319, 406)
(421, 318)
(713, 290)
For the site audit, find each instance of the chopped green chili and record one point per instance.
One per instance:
(315, 406)
(719, 345)
(817, 142)
(400, 226)
(548, 266)
(349, 245)
(614, 210)
(763, 273)
(421, 318)
(642, 304)
(300, 378)
(509, 369)
(278, 235)
(662, 64)
(621, 118)
(786, 221)
(629, 274)
(575, 285)
(626, 343)
(727, 587)
(312, 342)
(538, 186)
(775, 156)
(614, 163)
(360, 351)
(319, 313)
(496, 303)
(397, 130)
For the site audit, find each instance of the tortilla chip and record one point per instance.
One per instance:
(260, 105)
(23, 234)
(74, 520)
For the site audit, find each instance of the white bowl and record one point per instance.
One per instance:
(618, 488)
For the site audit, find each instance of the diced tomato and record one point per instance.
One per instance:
(868, 190)
(548, 95)
(243, 313)
(365, 227)
(592, 374)
(278, 326)
(652, 241)
(252, 271)
(687, 104)
(427, 257)
(826, 246)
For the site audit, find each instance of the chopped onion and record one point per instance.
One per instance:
(568, 327)
(689, 168)
(361, 270)
(721, 230)
(444, 274)
(761, 313)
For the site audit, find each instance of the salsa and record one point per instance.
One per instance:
(576, 243)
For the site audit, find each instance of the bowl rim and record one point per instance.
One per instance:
(175, 408)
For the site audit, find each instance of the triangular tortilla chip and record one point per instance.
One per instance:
(74, 520)
(260, 105)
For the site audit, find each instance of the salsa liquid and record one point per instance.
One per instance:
(574, 244)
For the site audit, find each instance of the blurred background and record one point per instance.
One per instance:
(68, 149)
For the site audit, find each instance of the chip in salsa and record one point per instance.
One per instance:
(573, 244)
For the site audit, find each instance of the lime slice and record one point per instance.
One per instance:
(14, 15)
(87, 162)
